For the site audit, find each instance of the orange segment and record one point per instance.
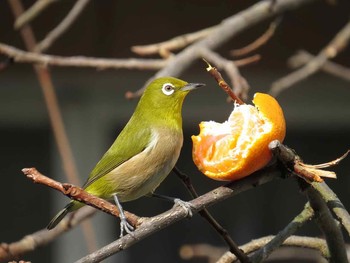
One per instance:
(239, 146)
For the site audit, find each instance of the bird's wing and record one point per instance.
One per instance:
(128, 144)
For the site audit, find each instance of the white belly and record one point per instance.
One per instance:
(143, 173)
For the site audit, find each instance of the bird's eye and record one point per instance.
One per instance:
(168, 89)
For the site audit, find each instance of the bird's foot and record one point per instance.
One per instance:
(125, 226)
(187, 206)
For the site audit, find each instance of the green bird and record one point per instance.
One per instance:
(145, 151)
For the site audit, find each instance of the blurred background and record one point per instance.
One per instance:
(94, 110)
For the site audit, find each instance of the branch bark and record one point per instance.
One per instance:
(211, 220)
(328, 226)
(32, 12)
(225, 31)
(56, 120)
(303, 57)
(294, 241)
(159, 222)
(62, 27)
(31, 242)
(80, 61)
(337, 44)
(77, 193)
(264, 252)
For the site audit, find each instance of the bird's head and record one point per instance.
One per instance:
(163, 98)
(167, 93)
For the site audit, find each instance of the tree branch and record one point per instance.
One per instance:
(262, 40)
(159, 222)
(264, 252)
(239, 83)
(55, 116)
(32, 12)
(31, 242)
(80, 61)
(211, 220)
(327, 224)
(338, 44)
(302, 57)
(334, 204)
(226, 30)
(294, 241)
(79, 194)
(317, 199)
(52, 36)
(172, 44)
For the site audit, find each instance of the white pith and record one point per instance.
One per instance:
(254, 126)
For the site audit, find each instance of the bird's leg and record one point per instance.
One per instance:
(124, 224)
(177, 201)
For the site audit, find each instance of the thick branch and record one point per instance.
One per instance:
(334, 204)
(317, 199)
(175, 214)
(328, 225)
(80, 61)
(225, 31)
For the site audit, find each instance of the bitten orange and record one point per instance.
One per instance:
(239, 146)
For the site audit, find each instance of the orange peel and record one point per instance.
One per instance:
(238, 147)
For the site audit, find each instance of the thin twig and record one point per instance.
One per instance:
(13, 251)
(211, 220)
(53, 35)
(246, 61)
(306, 215)
(80, 61)
(302, 57)
(221, 82)
(79, 194)
(308, 172)
(293, 241)
(263, 39)
(338, 44)
(172, 44)
(32, 12)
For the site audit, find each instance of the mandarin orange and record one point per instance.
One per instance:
(239, 146)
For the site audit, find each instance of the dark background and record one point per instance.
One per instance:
(317, 113)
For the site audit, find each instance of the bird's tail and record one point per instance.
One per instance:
(68, 208)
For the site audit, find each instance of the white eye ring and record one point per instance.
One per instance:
(168, 89)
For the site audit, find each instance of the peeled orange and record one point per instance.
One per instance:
(239, 146)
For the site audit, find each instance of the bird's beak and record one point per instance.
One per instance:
(192, 86)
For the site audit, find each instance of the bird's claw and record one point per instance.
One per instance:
(187, 206)
(125, 226)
